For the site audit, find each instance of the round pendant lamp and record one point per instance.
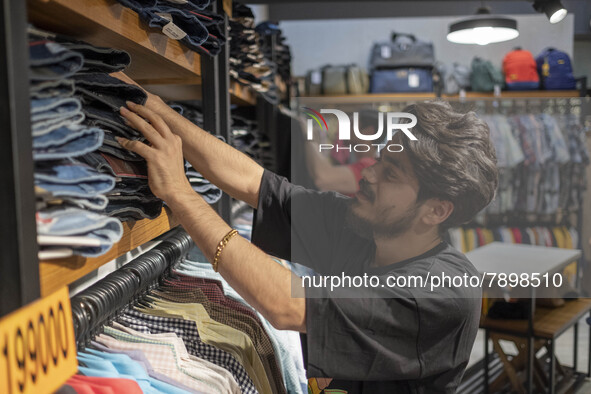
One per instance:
(483, 29)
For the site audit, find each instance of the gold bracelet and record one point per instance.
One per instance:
(221, 246)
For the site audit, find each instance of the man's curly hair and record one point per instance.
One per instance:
(453, 159)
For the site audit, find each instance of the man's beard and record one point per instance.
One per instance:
(369, 230)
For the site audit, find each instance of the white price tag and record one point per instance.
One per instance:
(386, 52)
(316, 77)
(413, 80)
(497, 90)
(171, 30)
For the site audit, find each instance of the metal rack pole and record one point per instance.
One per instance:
(215, 84)
(19, 266)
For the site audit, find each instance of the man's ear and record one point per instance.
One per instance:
(437, 211)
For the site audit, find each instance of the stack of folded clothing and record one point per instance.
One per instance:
(248, 139)
(210, 192)
(275, 50)
(248, 65)
(70, 194)
(186, 21)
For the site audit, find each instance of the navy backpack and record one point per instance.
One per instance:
(556, 71)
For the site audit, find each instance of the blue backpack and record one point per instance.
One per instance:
(555, 69)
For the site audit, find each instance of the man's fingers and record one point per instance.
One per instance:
(155, 120)
(135, 146)
(138, 123)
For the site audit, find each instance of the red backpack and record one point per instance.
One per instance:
(520, 69)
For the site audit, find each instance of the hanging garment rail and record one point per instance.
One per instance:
(101, 303)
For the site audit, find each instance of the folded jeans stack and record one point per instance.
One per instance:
(67, 190)
(186, 21)
(248, 65)
(278, 53)
(248, 139)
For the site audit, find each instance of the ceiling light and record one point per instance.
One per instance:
(554, 10)
(483, 29)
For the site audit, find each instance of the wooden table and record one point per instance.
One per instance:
(503, 258)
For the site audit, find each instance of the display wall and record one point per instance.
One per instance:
(317, 42)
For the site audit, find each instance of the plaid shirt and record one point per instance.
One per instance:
(187, 330)
(162, 358)
(233, 318)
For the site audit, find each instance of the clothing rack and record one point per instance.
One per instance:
(100, 303)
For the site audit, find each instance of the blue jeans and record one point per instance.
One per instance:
(210, 192)
(196, 32)
(52, 113)
(74, 179)
(104, 90)
(49, 89)
(98, 59)
(108, 120)
(50, 61)
(112, 147)
(133, 207)
(79, 222)
(66, 142)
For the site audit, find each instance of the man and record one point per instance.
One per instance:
(383, 340)
(343, 178)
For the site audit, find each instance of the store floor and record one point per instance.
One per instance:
(564, 350)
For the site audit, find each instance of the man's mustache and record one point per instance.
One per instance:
(365, 188)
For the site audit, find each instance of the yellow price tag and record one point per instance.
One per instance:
(37, 347)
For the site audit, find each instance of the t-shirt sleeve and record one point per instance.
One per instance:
(295, 223)
(380, 332)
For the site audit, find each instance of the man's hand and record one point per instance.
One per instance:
(154, 102)
(166, 170)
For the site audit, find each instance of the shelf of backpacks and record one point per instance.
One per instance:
(155, 57)
(371, 97)
(55, 274)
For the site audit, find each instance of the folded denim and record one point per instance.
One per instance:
(108, 90)
(211, 196)
(49, 61)
(98, 59)
(49, 89)
(109, 121)
(95, 203)
(75, 221)
(112, 147)
(195, 32)
(70, 178)
(126, 169)
(51, 113)
(131, 187)
(133, 208)
(97, 161)
(67, 142)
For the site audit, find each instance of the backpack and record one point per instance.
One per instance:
(484, 76)
(404, 50)
(456, 79)
(520, 70)
(555, 70)
(402, 80)
(337, 80)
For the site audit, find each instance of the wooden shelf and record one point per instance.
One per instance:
(549, 323)
(109, 24)
(239, 95)
(56, 273)
(242, 95)
(361, 98)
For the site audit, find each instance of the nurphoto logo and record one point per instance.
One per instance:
(393, 120)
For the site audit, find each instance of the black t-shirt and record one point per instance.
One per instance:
(389, 339)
